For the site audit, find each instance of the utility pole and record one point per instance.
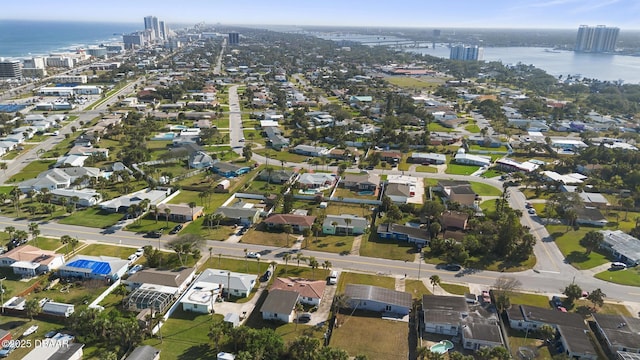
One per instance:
(2, 293)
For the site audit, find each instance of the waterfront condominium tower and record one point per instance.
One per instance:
(466, 52)
(151, 23)
(596, 39)
(234, 38)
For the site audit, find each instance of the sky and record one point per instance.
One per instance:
(554, 14)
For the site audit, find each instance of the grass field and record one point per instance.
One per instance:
(569, 244)
(107, 250)
(367, 334)
(32, 170)
(491, 173)
(416, 288)
(485, 189)
(426, 169)
(435, 127)
(92, 217)
(330, 243)
(454, 288)
(457, 169)
(276, 156)
(412, 83)
(630, 276)
(260, 236)
(46, 243)
(372, 246)
(529, 299)
(473, 128)
(365, 279)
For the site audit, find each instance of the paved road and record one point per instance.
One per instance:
(235, 121)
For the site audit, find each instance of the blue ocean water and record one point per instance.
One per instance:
(25, 38)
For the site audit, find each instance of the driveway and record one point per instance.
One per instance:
(322, 314)
(237, 308)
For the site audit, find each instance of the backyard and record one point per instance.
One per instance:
(358, 332)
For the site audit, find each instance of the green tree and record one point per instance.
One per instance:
(32, 308)
(184, 245)
(572, 292)
(547, 332)
(592, 240)
(303, 347)
(597, 298)
(435, 281)
(286, 257)
(247, 152)
(313, 263)
(66, 240)
(121, 290)
(287, 229)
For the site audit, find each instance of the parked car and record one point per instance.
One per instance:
(304, 318)
(132, 258)
(154, 234)
(556, 301)
(176, 229)
(253, 255)
(139, 252)
(528, 205)
(135, 269)
(8, 348)
(453, 267)
(486, 297)
(266, 276)
(618, 266)
(532, 211)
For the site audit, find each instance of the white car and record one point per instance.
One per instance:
(139, 252)
(253, 255)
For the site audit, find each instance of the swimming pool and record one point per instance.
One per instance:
(164, 136)
(365, 192)
(442, 347)
(178, 127)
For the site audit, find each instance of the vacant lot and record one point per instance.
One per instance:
(329, 243)
(32, 170)
(568, 241)
(373, 246)
(369, 335)
(457, 169)
(485, 189)
(92, 217)
(365, 279)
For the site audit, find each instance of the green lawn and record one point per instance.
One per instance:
(365, 279)
(458, 169)
(630, 276)
(488, 205)
(14, 283)
(435, 127)
(92, 217)
(416, 288)
(569, 244)
(32, 170)
(184, 336)
(330, 243)
(261, 236)
(529, 299)
(426, 168)
(46, 243)
(491, 173)
(410, 82)
(502, 148)
(262, 187)
(485, 189)
(518, 339)
(107, 250)
(6, 189)
(454, 288)
(276, 156)
(473, 128)
(372, 246)
(149, 223)
(338, 208)
(369, 335)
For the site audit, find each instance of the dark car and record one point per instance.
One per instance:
(154, 234)
(369, 168)
(556, 301)
(266, 276)
(176, 229)
(453, 267)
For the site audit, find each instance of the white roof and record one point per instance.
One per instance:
(228, 279)
(268, 123)
(25, 265)
(524, 166)
(201, 292)
(573, 178)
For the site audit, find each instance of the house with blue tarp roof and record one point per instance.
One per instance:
(94, 267)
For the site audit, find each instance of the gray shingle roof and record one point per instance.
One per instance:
(375, 293)
(280, 302)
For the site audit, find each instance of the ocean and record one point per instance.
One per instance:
(26, 38)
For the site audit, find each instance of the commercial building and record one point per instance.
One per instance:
(133, 41)
(10, 69)
(151, 24)
(596, 39)
(234, 38)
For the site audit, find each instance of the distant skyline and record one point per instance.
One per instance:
(547, 14)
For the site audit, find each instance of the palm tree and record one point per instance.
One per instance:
(286, 257)
(287, 230)
(167, 212)
(121, 290)
(435, 281)
(246, 260)
(156, 212)
(10, 230)
(74, 242)
(347, 222)
(299, 257)
(66, 240)
(192, 206)
(273, 265)
(313, 263)
(326, 265)
(298, 308)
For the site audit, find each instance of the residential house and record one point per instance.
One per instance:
(275, 138)
(400, 193)
(309, 291)
(344, 154)
(619, 332)
(87, 140)
(59, 347)
(453, 315)
(470, 159)
(121, 204)
(457, 191)
(89, 151)
(235, 284)
(173, 282)
(308, 150)
(59, 178)
(485, 141)
(71, 160)
(344, 224)
(390, 156)
(624, 247)
(375, 298)
(239, 215)
(29, 261)
(201, 296)
(410, 234)
(229, 170)
(79, 197)
(566, 179)
(428, 158)
(200, 160)
(144, 352)
(276, 176)
(316, 180)
(297, 222)
(570, 326)
(94, 267)
(279, 305)
(454, 220)
(511, 165)
(58, 309)
(202, 124)
(590, 216)
(180, 212)
(360, 182)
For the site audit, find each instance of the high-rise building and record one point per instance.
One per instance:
(234, 38)
(133, 40)
(10, 69)
(151, 23)
(596, 39)
(163, 31)
(466, 52)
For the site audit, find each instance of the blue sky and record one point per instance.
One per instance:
(382, 13)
